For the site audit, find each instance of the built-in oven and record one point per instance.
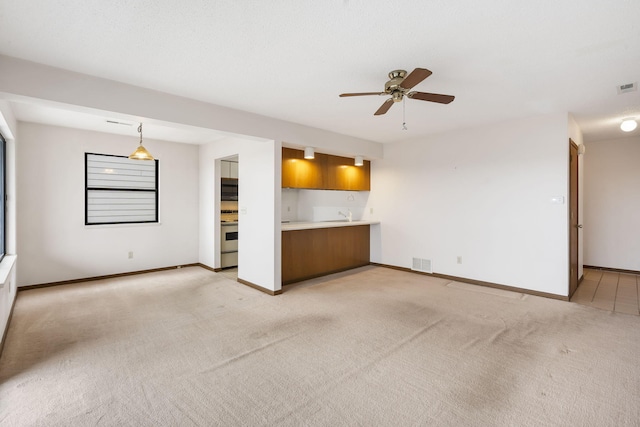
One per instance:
(228, 244)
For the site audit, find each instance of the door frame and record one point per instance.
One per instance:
(574, 217)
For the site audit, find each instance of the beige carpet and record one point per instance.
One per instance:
(375, 347)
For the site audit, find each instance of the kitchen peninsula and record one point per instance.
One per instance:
(314, 249)
(325, 245)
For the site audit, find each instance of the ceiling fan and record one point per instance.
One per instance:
(400, 85)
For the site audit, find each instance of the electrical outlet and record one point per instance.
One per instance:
(130, 254)
(459, 260)
(371, 210)
(288, 208)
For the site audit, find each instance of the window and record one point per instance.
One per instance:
(119, 190)
(3, 194)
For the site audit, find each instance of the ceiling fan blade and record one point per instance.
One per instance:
(415, 77)
(433, 97)
(362, 94)
(384, 107)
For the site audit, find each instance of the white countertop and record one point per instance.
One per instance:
(290, 226)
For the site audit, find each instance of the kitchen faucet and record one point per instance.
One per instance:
(348, 217)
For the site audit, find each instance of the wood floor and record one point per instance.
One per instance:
(609, 290)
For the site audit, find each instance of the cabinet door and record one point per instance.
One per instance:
(342, 174)
(298, 172)
(225, 171)
(349, 247)
(305, 254)
(362, 179)
(233, 170)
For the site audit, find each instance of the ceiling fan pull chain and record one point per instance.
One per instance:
(404, 123)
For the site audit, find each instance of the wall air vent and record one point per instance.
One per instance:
(113, 122)
(628, 87)
(423, 265)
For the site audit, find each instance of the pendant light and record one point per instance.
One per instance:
(141, 153)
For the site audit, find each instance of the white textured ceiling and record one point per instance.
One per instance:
(108, 122)
(289, 59)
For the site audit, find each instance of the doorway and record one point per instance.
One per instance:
(229, 235)
(573, 217)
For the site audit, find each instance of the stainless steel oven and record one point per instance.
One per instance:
(228, 244)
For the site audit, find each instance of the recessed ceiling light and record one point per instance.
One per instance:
(628, 125)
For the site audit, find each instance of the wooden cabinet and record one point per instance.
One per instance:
(224, 169)
(325, 172)
(341, 174)
(228, 169)
(233, 170)
(320, 251)
(298, 172)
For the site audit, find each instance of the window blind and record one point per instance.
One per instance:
(120, 190)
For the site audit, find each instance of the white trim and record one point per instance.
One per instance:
(6, 265)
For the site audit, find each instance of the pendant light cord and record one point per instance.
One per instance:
(140, 131)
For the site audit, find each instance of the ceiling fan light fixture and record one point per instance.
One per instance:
(359, 161)
(309, 153)
(399, 85)
(141, 153)
(628, 125)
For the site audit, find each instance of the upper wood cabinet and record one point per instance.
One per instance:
(298, 172)
(325, 172)
(341, 174)
(228, 169)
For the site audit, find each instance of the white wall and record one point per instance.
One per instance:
(323, 205)
(289, 200)
(55, 245)
(483, 194)
(259, 180)
(612, 203)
